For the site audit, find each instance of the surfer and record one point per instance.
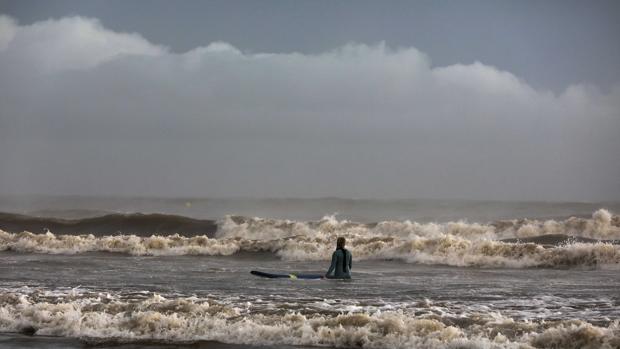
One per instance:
(341, 262)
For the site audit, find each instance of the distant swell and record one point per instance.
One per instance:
(108, 318)
(136, 223)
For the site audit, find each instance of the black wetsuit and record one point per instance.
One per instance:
(341, 265)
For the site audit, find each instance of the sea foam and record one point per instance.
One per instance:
(103, 318)
(575, 243)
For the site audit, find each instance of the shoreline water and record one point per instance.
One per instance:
(142, 280)
(102, 299)
(24, 341)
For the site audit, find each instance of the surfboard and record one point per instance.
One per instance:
(285, 276)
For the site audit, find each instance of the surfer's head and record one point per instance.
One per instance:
(340, 242)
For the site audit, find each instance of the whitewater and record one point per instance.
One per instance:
(107, 276)
(515, 243)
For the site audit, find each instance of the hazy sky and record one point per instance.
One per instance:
(465, 99)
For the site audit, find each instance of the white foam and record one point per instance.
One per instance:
(453, 243)
(192, 319)
(600, 226)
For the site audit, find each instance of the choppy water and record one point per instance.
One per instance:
(525, 282)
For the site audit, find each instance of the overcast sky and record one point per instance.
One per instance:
(482, 100)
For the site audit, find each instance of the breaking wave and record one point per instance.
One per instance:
(447, 250)
(103, 317)
(516, 244)
(601, 226)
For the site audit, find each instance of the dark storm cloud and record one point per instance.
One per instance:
(92, 111)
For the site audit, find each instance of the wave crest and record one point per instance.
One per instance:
(452, 243)
(602, 225)
(446, 249)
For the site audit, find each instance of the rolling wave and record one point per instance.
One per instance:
(601, 226)
(446, 250)
(134, 223)
(452, 243)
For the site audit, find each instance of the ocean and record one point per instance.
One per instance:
(80, 272)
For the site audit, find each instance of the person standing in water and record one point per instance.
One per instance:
(341, 262)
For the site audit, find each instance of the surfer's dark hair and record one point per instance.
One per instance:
(340, 242)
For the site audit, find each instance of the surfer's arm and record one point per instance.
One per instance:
(350, 261)
(333, 265)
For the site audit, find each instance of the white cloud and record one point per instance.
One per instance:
(68, 43)
(383, 121)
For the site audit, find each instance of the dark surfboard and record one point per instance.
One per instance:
(286, 276)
